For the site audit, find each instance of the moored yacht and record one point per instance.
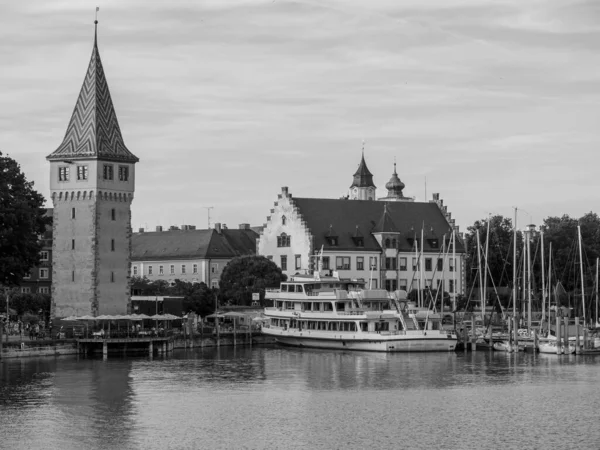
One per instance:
(333, 313)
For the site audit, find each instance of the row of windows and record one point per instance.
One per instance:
(112, 245)
(344, 263)
(161, 269)
(392, 285)
(64, 172)
(113, 214)
(41, 290)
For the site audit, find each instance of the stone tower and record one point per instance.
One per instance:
(362, 187)
(92, 179)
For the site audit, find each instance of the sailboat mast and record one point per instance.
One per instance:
(581, 272)
(485, 271)
(529, 279)
(454, 271)
(549, 285)
(421, 264)
(481, 296)
(543, 281)
(597, 260)
(515, 265)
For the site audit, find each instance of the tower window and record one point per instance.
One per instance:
(123, 173)
(112, 277)
(172, 269)
(82, 173)
(183, 269)
(107, 172)
(195, 268)
(283, 219)
(72, 244)
(112, 245)
(73, 275)
(149, 270)
(63, 173)
(72, 213)
(161, 270)
(113, 214)
(283, 262)
(135, 271)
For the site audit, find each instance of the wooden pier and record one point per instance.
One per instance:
(126, 345)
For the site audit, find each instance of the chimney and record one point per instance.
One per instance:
(159, 228)
(218, 227)
(141, 230)
(173, 227)
(224, 226)
(244, 226)
(284, 191)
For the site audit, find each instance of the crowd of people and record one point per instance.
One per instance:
(32, 330)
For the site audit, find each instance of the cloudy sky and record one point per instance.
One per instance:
(493, 104)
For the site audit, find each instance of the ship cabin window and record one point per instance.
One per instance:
(327, 306)
(340, 306)
(299, 288)
(284, 288)
(364, 326)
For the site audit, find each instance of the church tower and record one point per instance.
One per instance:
(362, 187)
(92, 179)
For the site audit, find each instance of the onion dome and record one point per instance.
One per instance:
(395, 186)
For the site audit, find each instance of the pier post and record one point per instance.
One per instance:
(164, 347)
(125, 349)
(150, 348)
(516, 334)
(473, 336)
(234, 333)
(566, 335)
(558, 335)
(535, 340)
(104, 349)
(577, 337)
(586, 344)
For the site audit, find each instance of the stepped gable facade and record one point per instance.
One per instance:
(372, 240)
(92, 182)
(197, 256)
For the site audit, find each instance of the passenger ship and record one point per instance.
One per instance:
(333, 313)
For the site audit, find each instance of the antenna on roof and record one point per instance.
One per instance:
(425, 187)
(208, 208)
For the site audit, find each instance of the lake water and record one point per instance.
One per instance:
(282, 398)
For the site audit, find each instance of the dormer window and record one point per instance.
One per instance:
(359, 241)
(434, 243)
(387, 243)
(283, 220)
(283, 240)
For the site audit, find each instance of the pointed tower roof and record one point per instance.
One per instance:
(385, 224)
(93, 132)
(363, 178)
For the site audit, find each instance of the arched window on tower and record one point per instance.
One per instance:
(393, 243)
(283, 220)
(387, 243)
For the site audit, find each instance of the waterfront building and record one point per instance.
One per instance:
(92, 180)
(188, 254)
(39, 278)
(377, 241)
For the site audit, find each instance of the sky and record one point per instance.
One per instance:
(492, 104)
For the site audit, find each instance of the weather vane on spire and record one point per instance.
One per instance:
(363, 147)
(96, 18)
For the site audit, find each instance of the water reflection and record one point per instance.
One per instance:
(298, 398)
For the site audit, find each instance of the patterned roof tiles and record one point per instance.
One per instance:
(93, 131)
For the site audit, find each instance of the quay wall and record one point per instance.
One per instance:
(46, 349)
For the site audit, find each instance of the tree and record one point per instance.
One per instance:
(245, 275)
(31, 303)
(22, 219)
(500, 251)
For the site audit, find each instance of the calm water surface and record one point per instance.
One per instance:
(281, 398)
